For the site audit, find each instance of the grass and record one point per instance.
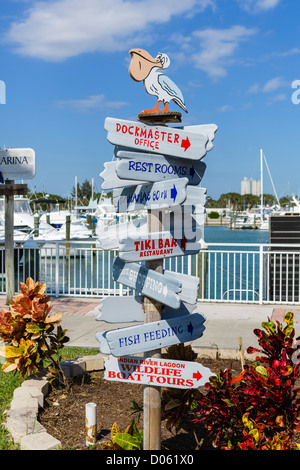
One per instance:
(10, 381)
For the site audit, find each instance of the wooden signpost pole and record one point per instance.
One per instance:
(9, 190)
(9, 245)
(152, 395)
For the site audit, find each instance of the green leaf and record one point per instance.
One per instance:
(262, 371)
(128, 442)
(269, 326)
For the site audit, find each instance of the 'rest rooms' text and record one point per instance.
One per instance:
(147, 137)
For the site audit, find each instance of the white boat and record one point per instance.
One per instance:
(244, 221)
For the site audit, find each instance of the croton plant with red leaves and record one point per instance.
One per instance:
(259, 409)
(29, 330)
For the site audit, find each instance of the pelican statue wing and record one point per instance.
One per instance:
(172, 90)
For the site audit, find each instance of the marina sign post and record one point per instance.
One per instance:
(14, 164)
(158, 170)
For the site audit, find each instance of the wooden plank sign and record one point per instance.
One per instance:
(111, 180)
(190, 285)
(109, 235)
(157, 372)
(156, 245)
(149, 167)
(150, 196)
(155, 335)
(148, 282)
(156, 139)
(118, 309)
(17, 164)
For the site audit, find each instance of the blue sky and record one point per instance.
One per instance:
(65, 67)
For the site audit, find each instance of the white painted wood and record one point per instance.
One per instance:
(17, 164)
(147, 282)
(149, 167)
(118, 309)
(111, 180)
(207, 129)
(150, 196)
(190, 285)
(157, 372)
(155, 335)
(155, 246)
(109, 235)
(156, 139)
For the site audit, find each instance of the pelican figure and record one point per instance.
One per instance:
(144, 67)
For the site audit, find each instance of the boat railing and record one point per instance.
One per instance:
(228, 272)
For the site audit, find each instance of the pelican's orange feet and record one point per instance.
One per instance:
(154, 110)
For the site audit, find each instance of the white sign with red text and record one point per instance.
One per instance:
(157, 372)
(155, 246)
(158, 139)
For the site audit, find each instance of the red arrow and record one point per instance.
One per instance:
(185, 143)
(197, 376)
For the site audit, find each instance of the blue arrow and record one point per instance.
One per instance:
(173, 193)
(190, 328)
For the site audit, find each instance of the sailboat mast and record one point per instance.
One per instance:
(261, 186)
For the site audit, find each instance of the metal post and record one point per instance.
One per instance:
(152, 395)
(9, 245)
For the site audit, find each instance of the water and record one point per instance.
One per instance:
(90, 273)
(224, 235)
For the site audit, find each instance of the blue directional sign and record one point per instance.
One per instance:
(151, 196)
(149, 167)
(148, 282)
(154, 335)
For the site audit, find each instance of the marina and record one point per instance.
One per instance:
(233, 267)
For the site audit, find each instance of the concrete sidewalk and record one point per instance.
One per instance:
(225, 323)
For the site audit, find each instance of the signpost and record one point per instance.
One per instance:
(14, 164)
(156, 372)
(150, 196)
(155, 246)
(149, 167)
(158, 169)
(156, 139)
(155, 335)
(130, 309)
(148, 282)
(17, 164)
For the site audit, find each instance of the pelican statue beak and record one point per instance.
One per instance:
(141, 64)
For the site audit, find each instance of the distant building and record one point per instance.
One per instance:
(250, 187)
(256, 188)
(245, 186)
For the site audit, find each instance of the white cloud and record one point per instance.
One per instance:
(90, 103)
(217, 48)
(256, 6)
(274, 84)
(57, 30)
(271, 85)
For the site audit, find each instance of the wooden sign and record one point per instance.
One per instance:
(207, 129)
(155, 335)
(156, 139)
(147, 282)
(112, 180)
(155, 246)
(157, 372)
(149, 167)
(109, 235)
(150, 196)
(190, 285)
(17, 164)
(118, 309)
